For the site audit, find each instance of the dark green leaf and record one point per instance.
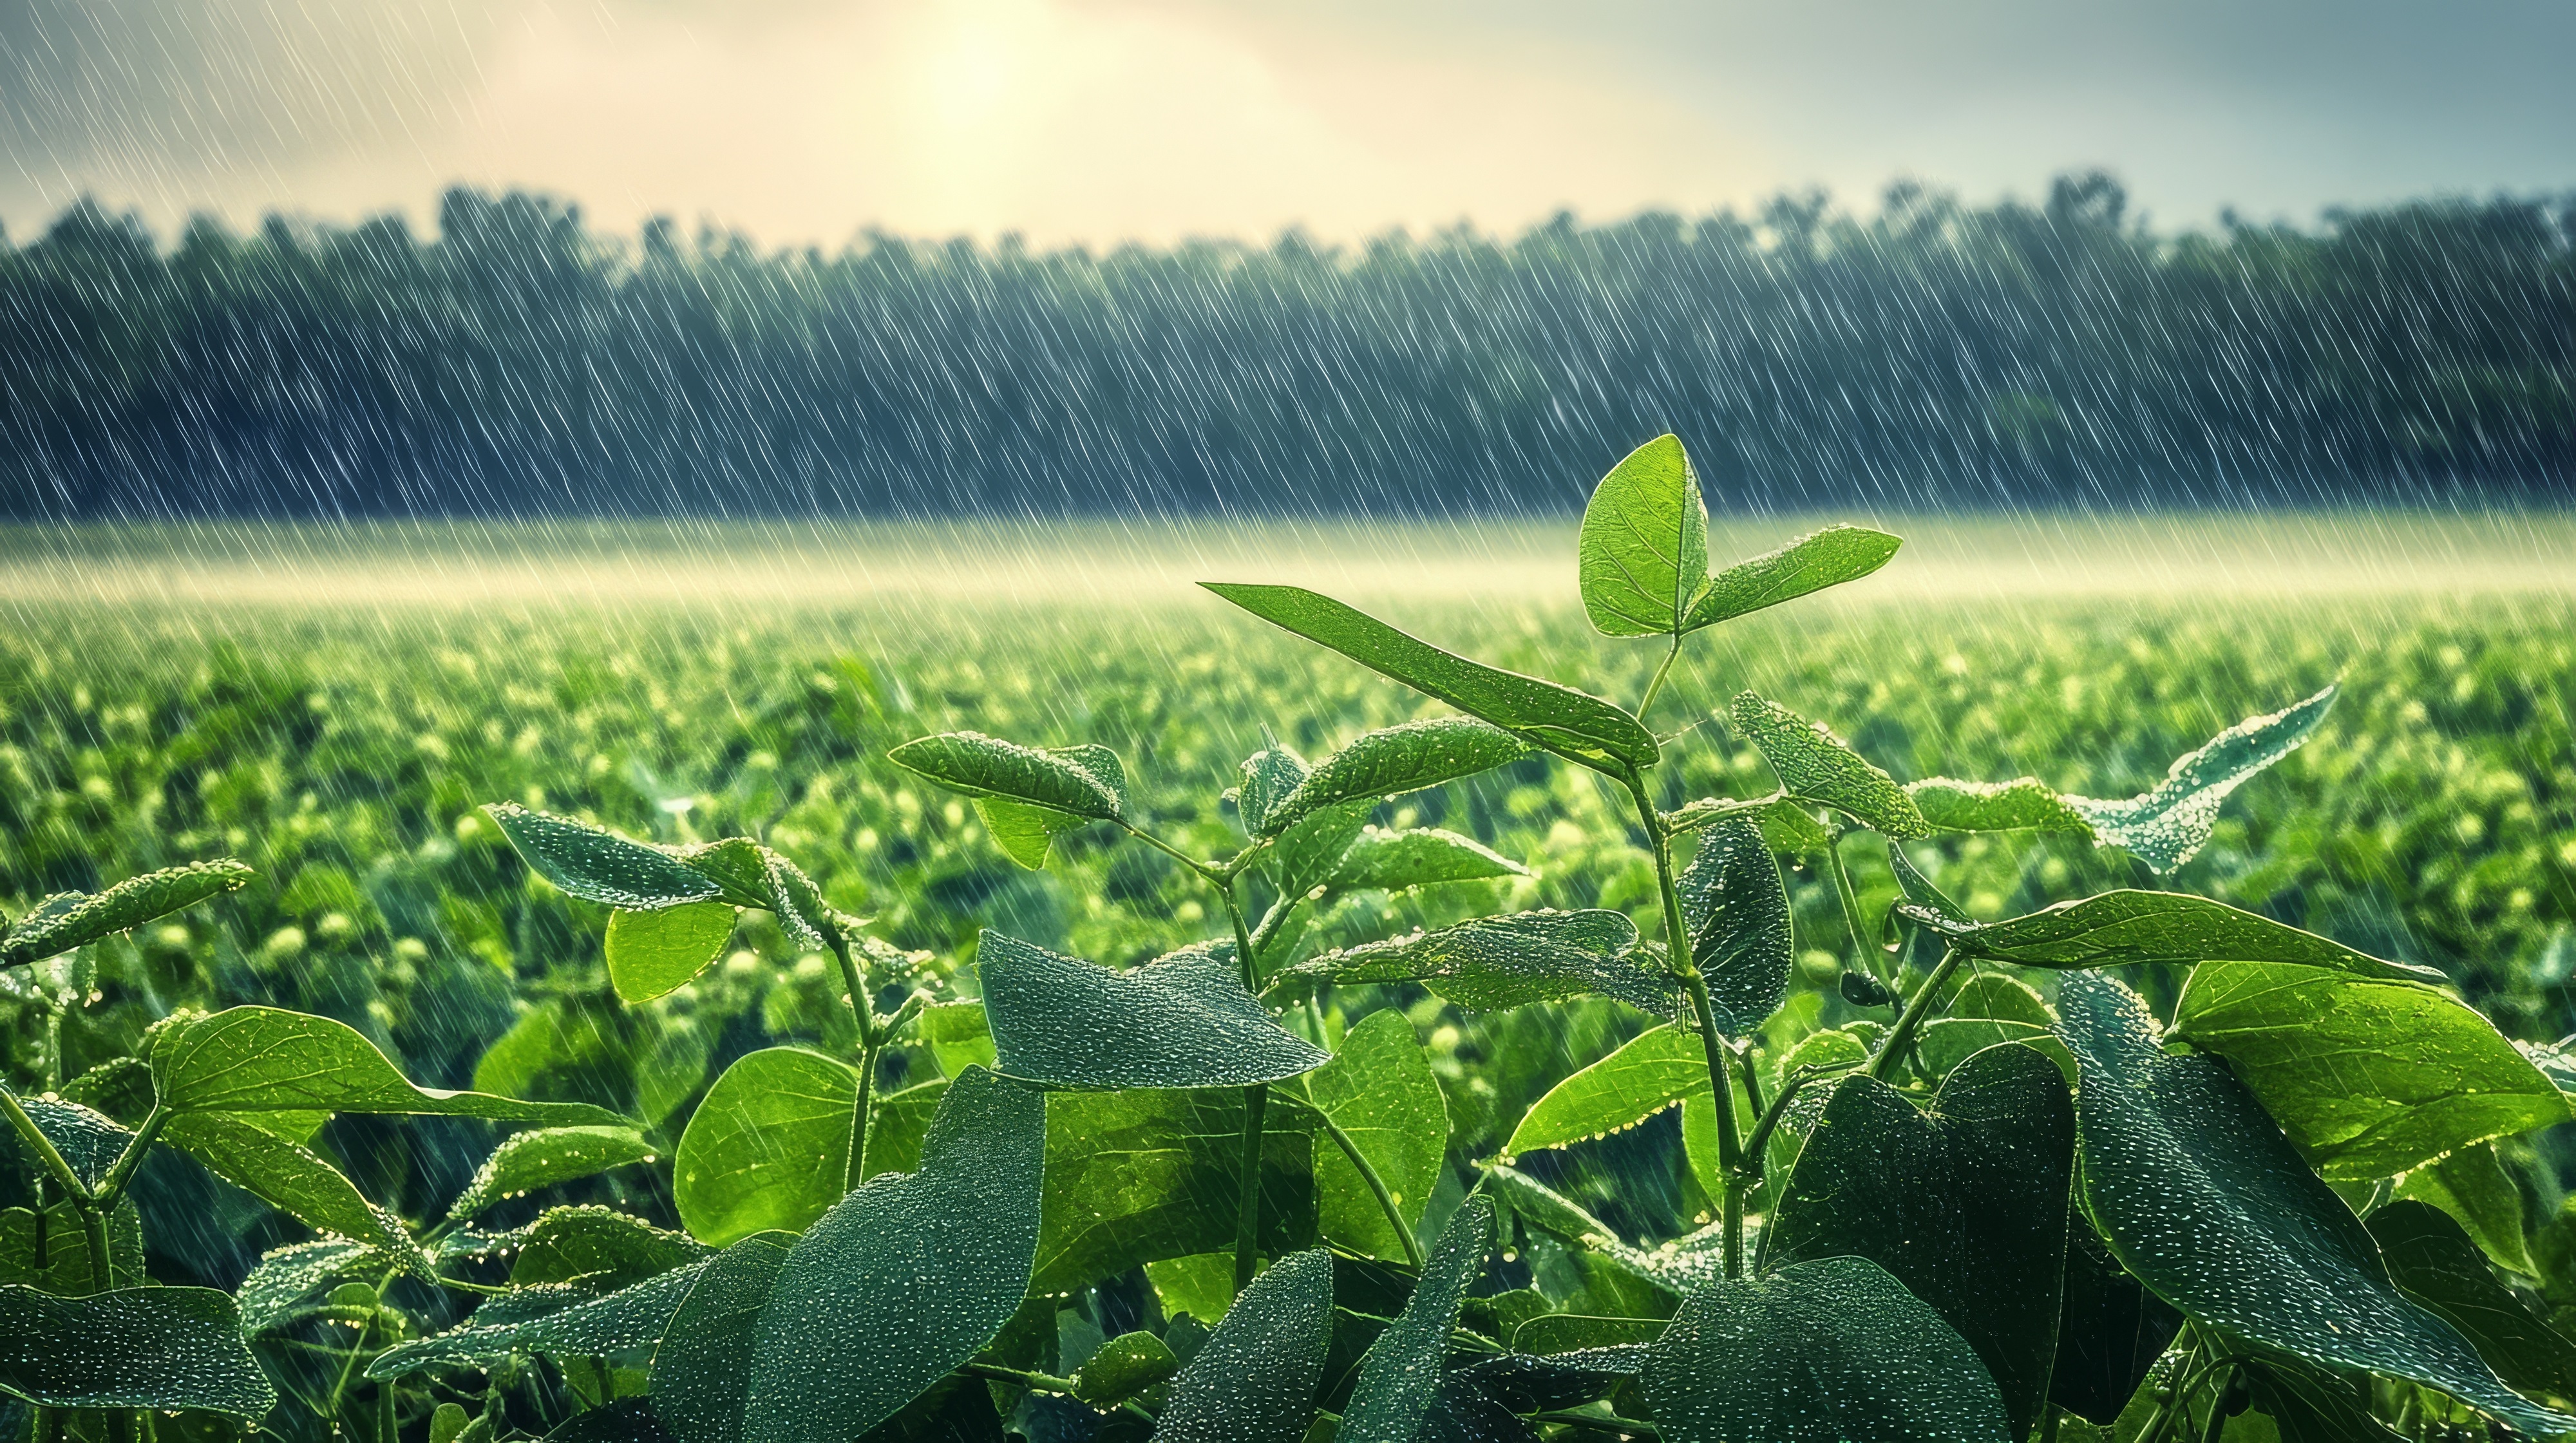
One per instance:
(1831, 1351)
(1402, 1371)
(1083, 781)
(596, 1249)
(597, 865)
(1642, 556)
(1183, 1020)
(265, 1059)
(1123, 1367)
(1146, 1175)
(2369, 1078)
(1917, 888)
(2432, 1261)
(699, 1377)
(1269, 775)
(1498, 962)
(544, 1157)
(1409, 758)
(285, 1277)
(1394, 861)
(1817, 766)
(769, 1148)
(2205, 1202)
(1965, 1204)
(89, 1140)
(2310, 1405)
(2471, 1186)
(1648, 1073)
(1565, 721)
(1310, 852)
(907, 1277)
(559, 1321)
(2110, 1331)
(61, 925)
(132, 1348)
(1379, 1089)
(653, 954)
(2121, 929)
(1739, 923)
(1676, 1270)
(1574, 1332)
(752, 875)
(1828, 557)
(293, 1179)
(1254, 1379)
(67, 1269)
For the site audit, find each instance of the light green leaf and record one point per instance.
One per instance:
(1401, 1373)
(1570, 723)
(1739, 923)
(1151, 1174)
(1124, 1367)
(589, 1247)
(1379, 1089)
(1395, 861)
(1023, 832)
(1201, 1285)
(527, 1161)
(956, 1034)
(1081, 781)
(907, 1277)
(2024, 804)
(698, 1372)
(898, 1124)
(2126, 928)
(266, 1059)
(2201, 1197)
(1412, 757)
(1648, 1073)
(1816, 766)
(656, 953)
(133, 1348)
(284, 1277)
(67, 1268)
(1310, 852)
(1254, 1380)
(63, 922)
(1498, 962)
(1830, 1351)
(1676, 1270)
(751, 875)
(1642, 556)
(292, 1178)
(1182, 1020)
(769, 1148)
(2368, 1078)
(1946, 1042)
(1269, 775)
(598, 865)
(1828, 557)
(2433, 1262)
(2471, 1186)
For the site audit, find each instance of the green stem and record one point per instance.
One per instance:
(102, 1260)
(1926, 997)
(1598, 1422)
(1043, 1382)
(1655, 688)
(2217, 1424)
(1247, 1210)
(863, 1011)
(1377, 1185)
(48, 1155)
(112, 1187)
(2052, 1416)
(1861, 948)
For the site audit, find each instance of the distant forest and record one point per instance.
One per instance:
(1926, 354)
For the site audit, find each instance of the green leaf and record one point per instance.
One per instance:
(293, 1179)
(1269, 775)
(1830, 1351)
(2164, 827)
(956, 1034)
(89, 1140)
(2110, 1331)
(266, 1059)
(1497, 962)
(2433, 1262)
(699, 1377)
(1025, 833)
(1310, 852)
(1817, 766)
(147, 1347)
(1401, 1373)
(1739, 923)
(898, 1124)
(1124, 1367)
(1182, 1020)
(1379, 1089)
(544, 1157)
(1575, 1332)
(2207, 1204)
(62, 923)
(1965, 1204)
(1676, 1270)
(1150, 1174)
(1412, 757)
(654, 954)
(1081, 781)
(1642, 556)
(593, 1248)
(597, 865)
(769, 1148)
(1574, 725)
(907, 1277)
(751, 875)
(1648, 1073)
(558, 1321)
(1254, 1380)
(2125, 928)
(2369, 1078)
(284, 1277)
(2471, 1186)
(1828, 557)
(2311, 1405)
(1946, 1042)
(68, 1269)
(1394, 861)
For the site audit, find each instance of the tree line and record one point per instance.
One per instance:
(1926, 353)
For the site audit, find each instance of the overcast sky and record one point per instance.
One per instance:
(1099, 120)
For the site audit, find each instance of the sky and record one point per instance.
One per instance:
(1097, 121)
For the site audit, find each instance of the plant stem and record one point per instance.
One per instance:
(1721, 1081)
(863, 1011)
(1861, 949)
(1655, 688)
(112, 1187)
(1901, 1041)
(48, 1155)
(102, 1259)
(1377, 1185)
(1247, 1211)
(1599, 1422)
(2050, 1418)
(1044, 1382)
(2217, 1424)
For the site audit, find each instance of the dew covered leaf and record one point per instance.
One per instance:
(905, 1278)
(1573, 724)
(2110, 1331)
(1829, 1351)
(63, 1264)
(1182, 1020)
(2024, 804)
(2369, 1078)
(699, 1380)
(558, 1320)
(266, 1059)
(1401, 1374)
(1964, 1203)
(597, 865)
(1254, 1380)
(292, 1178)
(2432, 1261)
(1648, 1073)
(88, 1140)
(1380, 1090)
(1385, 860)
(656, 953)
(2205, 1202)
(543, 1157)
(1642, 555)
(1826, 557)
(1150, 1174)
(1739, 923)
(1577, 1332)
(2125, 928)
(752, 875)
(1674, 1270)
(590, 1247)
(150, 1347)
(1491, 963)
(1411, 757)
(1123, 1367)
(769, 1148)
(284, 1277)
(1817, 766)
(1081, 781)
(1269, 775)
(71, 920)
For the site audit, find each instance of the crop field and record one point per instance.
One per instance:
(336, 708)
